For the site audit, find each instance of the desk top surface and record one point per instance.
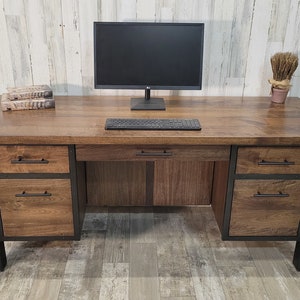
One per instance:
(224, 120)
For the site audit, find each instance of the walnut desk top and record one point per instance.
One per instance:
(224, 120)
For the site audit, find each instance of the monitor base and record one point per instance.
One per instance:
(151, 104)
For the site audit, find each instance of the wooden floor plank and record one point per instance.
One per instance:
(143, 280)
(242, 283)
(83, 269)
(19, 275)
(79, 287)
(141, 227)
(173, 262)
(205, 276)
(286, 249)
(114, 281)
(272, 269)
(95, 221)
(117, 238)
(46, 289)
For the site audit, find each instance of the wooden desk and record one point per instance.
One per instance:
(245, 163)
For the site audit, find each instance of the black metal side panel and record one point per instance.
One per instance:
(3, 259)
(229, 196)
(78, 187)
(296, 259)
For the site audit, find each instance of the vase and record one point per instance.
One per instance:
(279, 95)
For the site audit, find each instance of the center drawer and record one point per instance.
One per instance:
(34, 159)
(147, 152)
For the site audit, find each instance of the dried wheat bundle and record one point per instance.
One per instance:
(284, 64)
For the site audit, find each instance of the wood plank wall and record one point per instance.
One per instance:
(51, 42)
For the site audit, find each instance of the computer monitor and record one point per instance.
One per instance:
(149, 56)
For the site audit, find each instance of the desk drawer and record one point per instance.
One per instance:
(36, 207)
(116, 152)
(34, 159)
(265, 208)
(268, 160)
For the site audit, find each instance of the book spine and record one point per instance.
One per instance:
(26, 104)
(29, 92)
(30, 95)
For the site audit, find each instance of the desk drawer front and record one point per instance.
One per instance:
(268, 160)
(115, 152)
(34, 159)
(265, 208)
(36, 207)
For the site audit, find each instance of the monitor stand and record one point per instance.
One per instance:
(148, 103)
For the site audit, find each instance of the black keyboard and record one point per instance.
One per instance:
(152, 124)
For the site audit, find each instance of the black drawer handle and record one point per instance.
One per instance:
(21, 160)
(24, 194)
(275, 163)
(162, 153)
(279, 194)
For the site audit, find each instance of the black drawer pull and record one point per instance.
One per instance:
(21, 160)
(24, 194)
(275, 163)
(279, 194)
(162, 153)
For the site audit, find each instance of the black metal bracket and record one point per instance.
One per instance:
(296, 259)
(3, 259)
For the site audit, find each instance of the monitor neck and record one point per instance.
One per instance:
(147, 93)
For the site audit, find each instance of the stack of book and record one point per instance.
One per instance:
(28, 97)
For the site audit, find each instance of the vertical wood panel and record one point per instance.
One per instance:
(37, 41)
(116, 183)
(239, 45)
(87, 15)
(108, 10)
(6, 74)
(279, 17)
(292, 42)
(14, 8)
(71, 28)
(257, 47)
(18, 42)
(219, 64)
(291, 37)
(145, 10)
(127, 10)
(55, 41)
(184, 10)
(182, 182)
(241, 28)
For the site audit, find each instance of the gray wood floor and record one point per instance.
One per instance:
(150, 253)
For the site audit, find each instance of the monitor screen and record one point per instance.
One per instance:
(134, 55)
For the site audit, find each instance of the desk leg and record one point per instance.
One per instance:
(3, 259)
(296, 260)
